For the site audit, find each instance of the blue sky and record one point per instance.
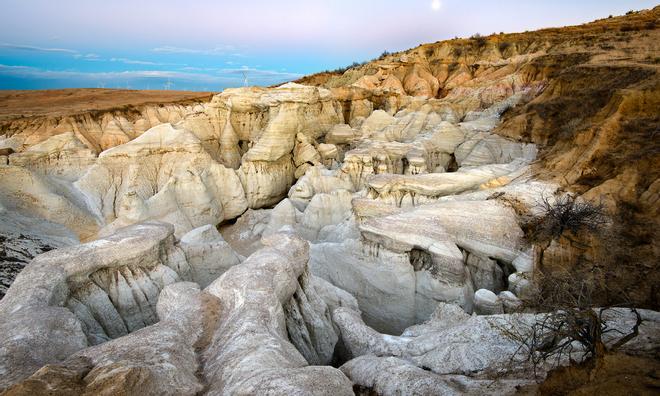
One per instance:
(208, 45)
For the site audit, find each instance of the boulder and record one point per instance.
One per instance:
(487, 303)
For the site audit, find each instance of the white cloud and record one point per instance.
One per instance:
(37, 49)
(227, 77)
(220, 50)
(259, 72)
(134, 62)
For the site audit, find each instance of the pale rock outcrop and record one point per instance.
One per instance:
(378, 120)
(525, 261)
(485, 228)
(309, 322)
(488, 228)
(262, 125)
(460, 354)
(158, 359)
(339, 232)
(248, 352)
(410, 190)
(510, 302)
(340, 134)
(245, 234)
(359, 109)
(487, 303)
(304, 151)
(10, 144)
(83, 295)
(483, 149)
(199, 123)
(521, 285)
(391, 292)
(266, 183)
(317, 180)
(485, 273)
(325, 209)
(61, 155)
(98, 131)
(157, 335)
(408, 261)
(389, 376)
(230, 151)
(33, 194)
(329, 154)
(282, 215)
(165, 174)
(208, 254)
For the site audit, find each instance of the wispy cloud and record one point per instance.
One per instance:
(226, 77)
(20, 47)
(89, 57)
(135, 62)
(194, 68)
(219, 50)
(259, 72)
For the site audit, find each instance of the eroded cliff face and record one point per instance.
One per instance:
(589, 101)
(99, 118)
(253, 240)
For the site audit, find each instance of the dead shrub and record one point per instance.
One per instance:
(565, 213)
(570, 329)
(478, 40)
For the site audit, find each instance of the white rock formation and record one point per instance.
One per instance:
(60, 289)
(165, 174)
(33, 194)
(152, 331)
(208, 255)
(487, 303)
(392, 218)
(62, 156)
(456, 354)
(262, 126)
(248, 352)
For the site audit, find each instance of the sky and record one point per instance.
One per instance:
(210, 45)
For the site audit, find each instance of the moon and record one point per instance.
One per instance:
(435, 5)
